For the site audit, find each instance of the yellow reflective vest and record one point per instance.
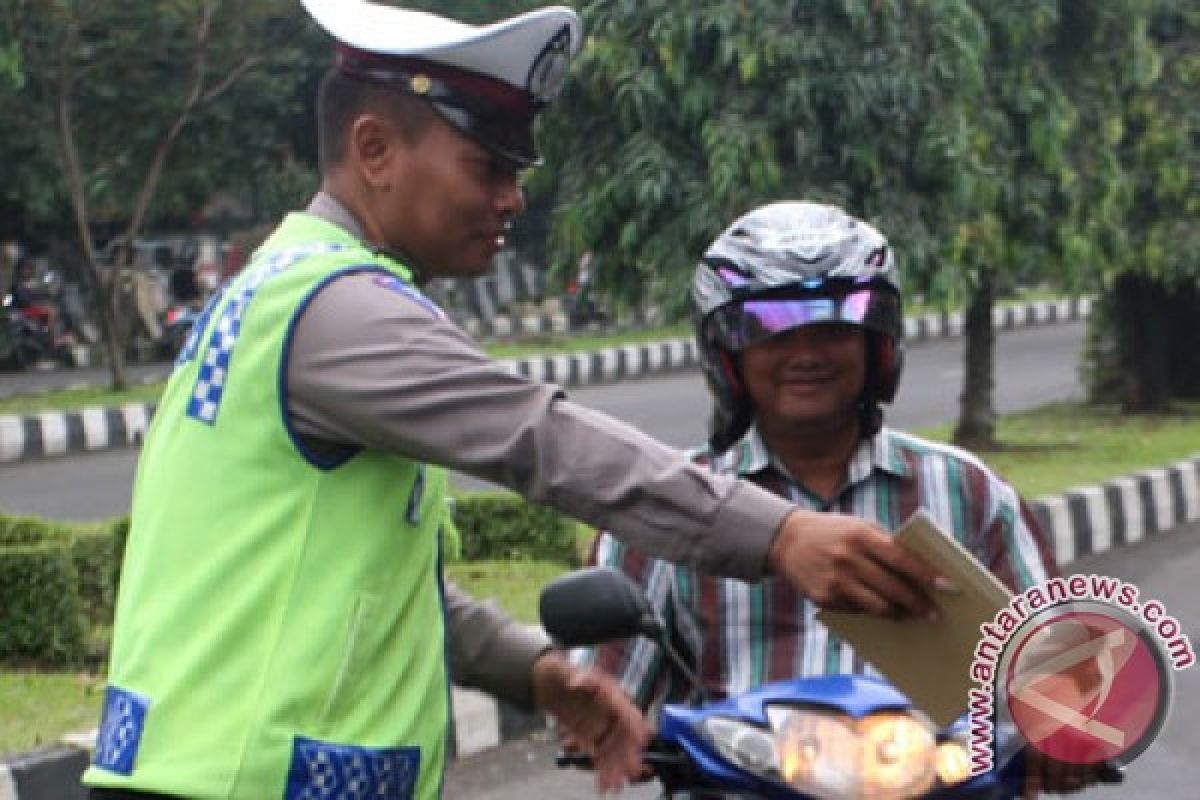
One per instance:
(279, 628)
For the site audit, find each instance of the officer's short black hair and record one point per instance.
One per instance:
(342, 98)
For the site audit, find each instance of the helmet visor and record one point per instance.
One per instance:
(739, 325)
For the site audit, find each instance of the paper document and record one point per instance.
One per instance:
(930, 661)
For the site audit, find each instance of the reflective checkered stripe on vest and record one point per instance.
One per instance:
(279, 628)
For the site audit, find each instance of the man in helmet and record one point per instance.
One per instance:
(798, 315)
(280, 626)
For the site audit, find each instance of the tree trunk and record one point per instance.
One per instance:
(1140, 305)
(976, 428)
(1184, 342)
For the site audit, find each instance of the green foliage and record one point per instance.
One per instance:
(79, 595)
(92, 555)
(120, 535)
(43, 619)
(1143, 347)
(995, 143)
(503, 526)
(682, 116)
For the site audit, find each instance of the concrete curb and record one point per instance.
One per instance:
(58, 433)
(1085, 521)
(51, 773)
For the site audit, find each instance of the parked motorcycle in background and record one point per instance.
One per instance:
(27, 342)
(185, 303)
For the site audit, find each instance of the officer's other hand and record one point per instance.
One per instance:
(846, 563)
(595, 716)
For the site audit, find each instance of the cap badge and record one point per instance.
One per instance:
(420, 84)
(550, 67)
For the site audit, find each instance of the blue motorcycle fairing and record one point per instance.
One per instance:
(853, 695)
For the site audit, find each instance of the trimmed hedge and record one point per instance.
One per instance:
(498, 526)
(43, 617)
(59, 580)
(64, 610)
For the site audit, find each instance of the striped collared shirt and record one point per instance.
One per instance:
(746, 634)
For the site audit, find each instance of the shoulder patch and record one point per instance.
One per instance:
(394, 284)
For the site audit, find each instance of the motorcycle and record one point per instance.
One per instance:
(26, 341)
(838, 737)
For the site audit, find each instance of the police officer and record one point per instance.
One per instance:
(280, 627)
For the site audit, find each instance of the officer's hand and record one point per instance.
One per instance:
(846, 563)
(1045, 774)
(595, 716)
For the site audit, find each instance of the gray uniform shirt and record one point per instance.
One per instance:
(370, 367)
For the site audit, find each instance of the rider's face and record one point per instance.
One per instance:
(807, 379)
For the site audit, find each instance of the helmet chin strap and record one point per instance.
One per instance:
(870, 416)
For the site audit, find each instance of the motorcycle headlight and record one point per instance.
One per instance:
(953, 762)
(887, 755)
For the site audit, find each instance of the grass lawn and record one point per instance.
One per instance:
(37, 708)
(1045, 452)
(514, 585)
(1059, 447)
(74, 399)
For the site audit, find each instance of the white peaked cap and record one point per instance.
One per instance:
(508, 50)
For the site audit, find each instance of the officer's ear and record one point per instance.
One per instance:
(373, 143)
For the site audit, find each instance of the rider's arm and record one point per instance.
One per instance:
(1011, 543)
(371, 367)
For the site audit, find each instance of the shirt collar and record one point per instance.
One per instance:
(330, 209)
(750, 456)
(327, 207)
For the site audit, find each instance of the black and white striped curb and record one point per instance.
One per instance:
(55, 433)
(1086, 521)
(1094, 519)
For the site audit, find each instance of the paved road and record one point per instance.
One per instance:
(1165, 569)
(1034, 366)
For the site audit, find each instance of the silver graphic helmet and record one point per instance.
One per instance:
(782, 266)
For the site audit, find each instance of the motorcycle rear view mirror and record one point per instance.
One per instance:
(599, 604)
(595, 605)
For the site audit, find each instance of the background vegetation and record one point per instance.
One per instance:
(996, 143)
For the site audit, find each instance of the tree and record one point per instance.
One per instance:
(118, 82)
(682, 115)
(1022, 122)
(1144, 347)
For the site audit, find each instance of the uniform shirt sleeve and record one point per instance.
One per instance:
(489, 650)
(369, 366)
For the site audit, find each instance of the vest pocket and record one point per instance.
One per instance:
(362, 629)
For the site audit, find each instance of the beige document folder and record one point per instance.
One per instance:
(930, 661)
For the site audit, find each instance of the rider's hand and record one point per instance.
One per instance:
(843, 562)
(595, 715)
(1045, 774)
